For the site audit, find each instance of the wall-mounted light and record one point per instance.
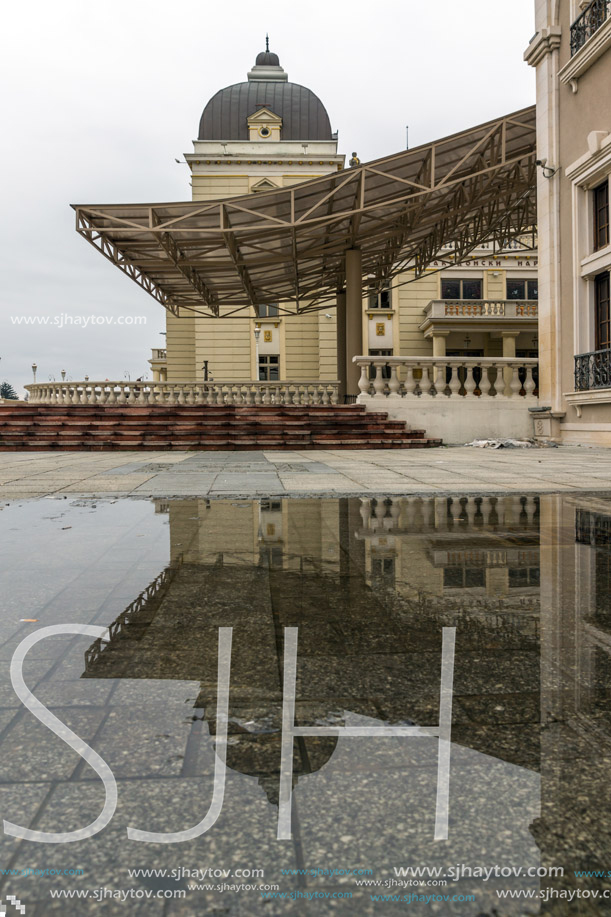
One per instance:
(548, 171)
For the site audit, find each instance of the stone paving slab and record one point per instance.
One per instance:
(459, 469)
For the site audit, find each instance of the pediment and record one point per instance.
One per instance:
(264, 116)
(264, 185)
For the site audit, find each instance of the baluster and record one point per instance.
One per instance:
(531, 509)
(441, 513)
(364, 380)
(515, 384)
(455, 383)
(469, 380)
(334, 394)
(365, 512)
(122, 399)
(395, 512)
(485, 384)
(529, 382)
(378, 382)
(409, 511)
(410, 381)
(485, 509)
(426, 381)
(439, 378)
(394, 383)
(418, 513)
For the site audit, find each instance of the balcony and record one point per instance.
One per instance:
(589, 22)
(593, 370)
(480, 314)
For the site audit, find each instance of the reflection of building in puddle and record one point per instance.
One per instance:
(475, 555)
(575, 679)
(370, 586)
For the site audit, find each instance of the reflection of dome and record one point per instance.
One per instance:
(304, 117)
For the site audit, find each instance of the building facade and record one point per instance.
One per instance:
(268, 133)
(570, 52)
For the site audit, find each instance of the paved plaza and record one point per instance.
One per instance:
(461, 469)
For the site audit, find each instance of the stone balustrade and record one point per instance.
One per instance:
(412, 515)
(449, 377)
(168, 393)
(456, 399)
(482, 308)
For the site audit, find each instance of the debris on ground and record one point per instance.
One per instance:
(512, 444)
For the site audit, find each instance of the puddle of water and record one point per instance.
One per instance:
(366, 589)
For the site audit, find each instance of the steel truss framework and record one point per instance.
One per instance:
(288, 246)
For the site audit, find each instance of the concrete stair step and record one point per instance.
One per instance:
(201, 427)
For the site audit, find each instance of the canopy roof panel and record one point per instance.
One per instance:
(288, 245)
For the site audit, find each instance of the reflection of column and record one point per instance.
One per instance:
(354, 318)
(341, 343)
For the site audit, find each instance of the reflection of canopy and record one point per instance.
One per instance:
(288, 245)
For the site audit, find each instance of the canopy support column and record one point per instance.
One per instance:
(341, 344)
(354, 317)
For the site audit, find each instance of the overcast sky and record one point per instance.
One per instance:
(99, 99)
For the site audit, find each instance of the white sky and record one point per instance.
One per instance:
(98, 99)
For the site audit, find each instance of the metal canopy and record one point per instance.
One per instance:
(288, 245)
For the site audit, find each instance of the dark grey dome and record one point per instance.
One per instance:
(304, 117)
(267, 59)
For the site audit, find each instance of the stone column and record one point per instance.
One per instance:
(341, 343)
(439, 343)
(354, 318)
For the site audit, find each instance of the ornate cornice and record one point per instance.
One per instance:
(544, 42)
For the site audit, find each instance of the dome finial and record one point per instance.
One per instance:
(266, 42)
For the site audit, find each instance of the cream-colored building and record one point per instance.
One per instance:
(570, 51)
(268, 133)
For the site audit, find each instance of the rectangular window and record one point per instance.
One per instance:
(602, 312)
(461, 289)
(601, 215)
(520, 577)
(269, 368)
(464, 577)
(522, 289)
(270, 310)
(380, 299)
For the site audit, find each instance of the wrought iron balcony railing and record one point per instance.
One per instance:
(594, 15)
(593, 370)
